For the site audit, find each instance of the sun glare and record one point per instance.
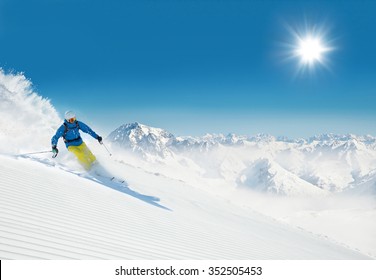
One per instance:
(310, 50)
(309, 46)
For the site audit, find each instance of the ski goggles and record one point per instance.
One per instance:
(72, 120)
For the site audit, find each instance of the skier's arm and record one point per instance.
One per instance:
(58, 134)
(87, 130)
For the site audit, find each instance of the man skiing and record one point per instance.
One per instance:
(69, 130)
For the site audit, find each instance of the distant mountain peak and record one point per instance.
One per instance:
(266, 175)
(141, 138)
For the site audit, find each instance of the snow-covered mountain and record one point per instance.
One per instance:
(143, 139)
(267, 176)
(147, 140)
(323, 163)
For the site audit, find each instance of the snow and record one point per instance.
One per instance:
(268, 176)
(49, 213)
(211, 197)
(324, 163)
(22, 112)
(142, 139)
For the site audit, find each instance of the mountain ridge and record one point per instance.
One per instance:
(329, 162)
(326, 139)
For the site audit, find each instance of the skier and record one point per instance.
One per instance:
(69, 130)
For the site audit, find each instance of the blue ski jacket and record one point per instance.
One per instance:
(71, 133)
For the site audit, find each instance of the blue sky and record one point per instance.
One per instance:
(193, 67)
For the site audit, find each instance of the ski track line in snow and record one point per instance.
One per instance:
(201, 234)
(46, 204)
(100, 232)
(118, 234)
(117, 244)
(68, 237)
(73, 214)
(47, 213)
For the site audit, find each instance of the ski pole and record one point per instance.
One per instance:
(34, 153)
(106, 149)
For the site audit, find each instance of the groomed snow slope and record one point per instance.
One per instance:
(49, 212)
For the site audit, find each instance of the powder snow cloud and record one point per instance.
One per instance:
(27, 120)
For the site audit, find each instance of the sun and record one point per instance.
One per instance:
(309, 46)
(311, 50)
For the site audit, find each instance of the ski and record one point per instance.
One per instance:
(114, 179)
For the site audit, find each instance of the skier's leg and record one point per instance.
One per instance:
(90, 157)
(83, 154)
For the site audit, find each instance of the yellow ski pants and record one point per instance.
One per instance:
(83, 154)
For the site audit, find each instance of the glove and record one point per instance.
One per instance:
(55, 151)
(100, 140)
